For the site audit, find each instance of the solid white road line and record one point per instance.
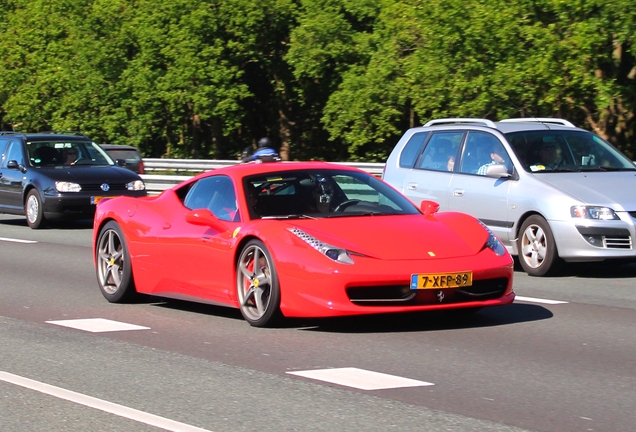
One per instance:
(538, 300)
(99, 404)
(16, 240)
(97, 325)
(360, 378)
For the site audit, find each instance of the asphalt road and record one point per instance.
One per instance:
(568, 364)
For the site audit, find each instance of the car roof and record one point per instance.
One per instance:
(504, 126)
(56, 136)
(118, 147)
(254, 168)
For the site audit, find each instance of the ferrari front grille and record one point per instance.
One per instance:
(480, 290)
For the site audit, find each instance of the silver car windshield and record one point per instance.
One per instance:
(565, 151)
(66, 153)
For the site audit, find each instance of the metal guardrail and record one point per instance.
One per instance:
(156, 183)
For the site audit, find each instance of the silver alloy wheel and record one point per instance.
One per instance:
(110, 261)
(32, 209)
(254, 283)
(534, 246)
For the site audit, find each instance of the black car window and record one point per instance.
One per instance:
(412, 149)
(3, 147)
(14, 153)
(130, 156)
(216, 194)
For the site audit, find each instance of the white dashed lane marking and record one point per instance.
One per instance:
(99, 404)
(538, 300)
(17, 240)
(360, 378)
(97, 325)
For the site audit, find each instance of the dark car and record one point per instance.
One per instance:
(130, 154)
(58, 176)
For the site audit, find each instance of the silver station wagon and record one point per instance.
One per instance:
(550, 191)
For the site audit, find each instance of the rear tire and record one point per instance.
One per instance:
(114, 270)
(538, 254)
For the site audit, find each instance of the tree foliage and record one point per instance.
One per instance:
(325, 79)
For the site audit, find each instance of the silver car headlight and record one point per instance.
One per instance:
(136, 185)
(593, 212)
(493, 242)
(61, 186)
(333, 252)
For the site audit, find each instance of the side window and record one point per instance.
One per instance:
(3, 147)
(216, 194)
(14, 152)
(441, 150)
(412, 149)
(481, 150)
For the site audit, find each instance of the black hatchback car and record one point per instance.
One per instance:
(58, 176)
(130, 154)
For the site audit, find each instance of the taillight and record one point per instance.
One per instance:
(141, 168)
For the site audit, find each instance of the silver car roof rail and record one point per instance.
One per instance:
(550, 120)
(484, 122)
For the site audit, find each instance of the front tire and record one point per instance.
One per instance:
(33, 210)
(114, 271)
(257, 285)
(538, 254)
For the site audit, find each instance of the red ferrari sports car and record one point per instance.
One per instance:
(297, 239)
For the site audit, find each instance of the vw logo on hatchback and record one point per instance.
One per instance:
(104, 187)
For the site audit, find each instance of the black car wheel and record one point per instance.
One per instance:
(257, 285)
(33, 210)
(114, 271)
(537, 250)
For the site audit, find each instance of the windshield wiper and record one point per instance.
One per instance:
(291, 216)
(354, 213)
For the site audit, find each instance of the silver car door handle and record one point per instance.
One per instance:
(412, 186)
(458, 193)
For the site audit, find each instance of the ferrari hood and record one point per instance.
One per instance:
(611, 189)
(400, 237)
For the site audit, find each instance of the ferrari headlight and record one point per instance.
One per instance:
(67, 187)
(136, 185)
(493, 242)
(333, 252)
(593, 212)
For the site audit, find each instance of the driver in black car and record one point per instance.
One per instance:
(70, 156)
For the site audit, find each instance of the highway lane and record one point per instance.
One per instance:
(546, 367)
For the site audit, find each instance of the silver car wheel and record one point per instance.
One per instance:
(533, 246)
(33, 208)
(537, 249)
(257, 285)
(110, 259)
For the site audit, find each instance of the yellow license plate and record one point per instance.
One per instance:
(441, 280)
(96, 199)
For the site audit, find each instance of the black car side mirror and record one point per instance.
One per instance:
(120, 162)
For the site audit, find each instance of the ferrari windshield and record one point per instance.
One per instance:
(322, 193)
(66, 153)
(565, 151)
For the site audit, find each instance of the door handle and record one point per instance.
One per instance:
(458, 192)
(412, 186)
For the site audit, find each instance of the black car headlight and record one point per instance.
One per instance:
(61, 186)
(332, 252)
(593, 212)
(136, 185)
